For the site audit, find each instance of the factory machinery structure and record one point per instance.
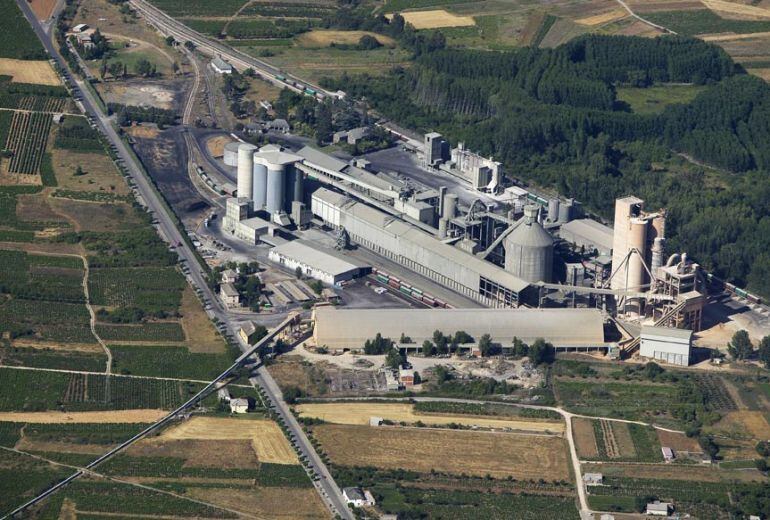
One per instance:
(500, 259)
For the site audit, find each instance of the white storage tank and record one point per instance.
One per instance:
(529, 249)
(553, 210)
(260, 183)
(276, 187)
(231, 153)
(246, 170)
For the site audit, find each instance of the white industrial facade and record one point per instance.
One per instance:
(666, 344)
(421, 252)
(564, 328)
(326, 266)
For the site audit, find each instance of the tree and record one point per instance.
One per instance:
(520, 349)
(763, 448)
(323, 126)
(394, 359)
(461, 337)
(761, 465)
(143, 68)
(428, 348)
(175, 67)
(404, 339)
(115, 69)
(709, 446)
(368, 43)
(170, 41)
(79, 171)
(740, 346)
(764, 351)
(486, 347)
(541, 352)
(652, 370)
(378, 345)
(298, 272)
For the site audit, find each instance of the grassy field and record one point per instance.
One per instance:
(705, 21)
(654, 100)
(167, 362)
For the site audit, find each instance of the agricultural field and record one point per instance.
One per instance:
(17, 40)
(159, 361)
(360, 413)
(26, 71)
(499, 455)
(26, 390)
(27, 138)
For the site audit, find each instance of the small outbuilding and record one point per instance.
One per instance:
(658, 508)
(220, 66)
(229, 276)
(593, 479)
(668, 453)
(354, 496)
(279, 125)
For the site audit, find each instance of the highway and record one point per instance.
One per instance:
(331, 494)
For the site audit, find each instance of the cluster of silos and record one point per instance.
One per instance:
(268, 178)
(231, 153)
(447, 210)
(562, 211)
(529, 249)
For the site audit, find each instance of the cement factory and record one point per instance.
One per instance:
(523, 254)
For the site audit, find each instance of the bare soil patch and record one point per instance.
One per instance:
(267, 502)
(750, 11)
(585, 440)
(26, 71)
(36, 208)
(94, 216)
(452, 451)
(147, 132)
(110, 417)
(603, 18)
(60, 447)
(360, 413)
(202, 336)
(436, 18)
(646, 6)
(623, 439)
(91, 348)
(100, 172)
(42, 8)
(225, 454)
(678, 442)
(752, 423)
(216, 145)
(266, 437)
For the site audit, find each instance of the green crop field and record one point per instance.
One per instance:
(167, 362)
(153, 289)
(22, 477)
(17, 40)
(623, 400)
(64, 322)
(400, 5)
(704, 21)
(153, 331)
(81, 433)
(199, 7)
(58, 359)
(39, 391)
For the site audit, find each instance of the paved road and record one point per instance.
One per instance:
(166, 227)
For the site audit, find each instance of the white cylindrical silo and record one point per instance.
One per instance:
(246, 170)
(276, 187)
(529, 249)
(231, 153)
(450, 206)
(553, 210)
(260, 184)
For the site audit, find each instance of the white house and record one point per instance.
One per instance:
(593, 479)
(666, 344)
(357, 497)
(239, 405)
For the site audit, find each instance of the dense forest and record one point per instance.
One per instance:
(553, 117)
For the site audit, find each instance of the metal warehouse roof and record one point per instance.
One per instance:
(321, 159)
(666, 333)
(309, 254)
(338, 328)
(596, 232)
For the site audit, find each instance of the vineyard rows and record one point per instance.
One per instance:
(715, 393)
(34, 103)
(153, 331)
(158, 287)
(27, 140)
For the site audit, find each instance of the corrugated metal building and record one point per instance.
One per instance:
(564, 328)
(325, 265)
(589, 234)
(421, 252)
(666, 344)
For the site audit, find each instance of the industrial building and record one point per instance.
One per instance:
(566, 329)
(421, 252)
(588, 234)
(666, 344)
(436, 150)
(239, 222)
(637, 248)
(220, 66)
(529, 249)
(325, 265)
